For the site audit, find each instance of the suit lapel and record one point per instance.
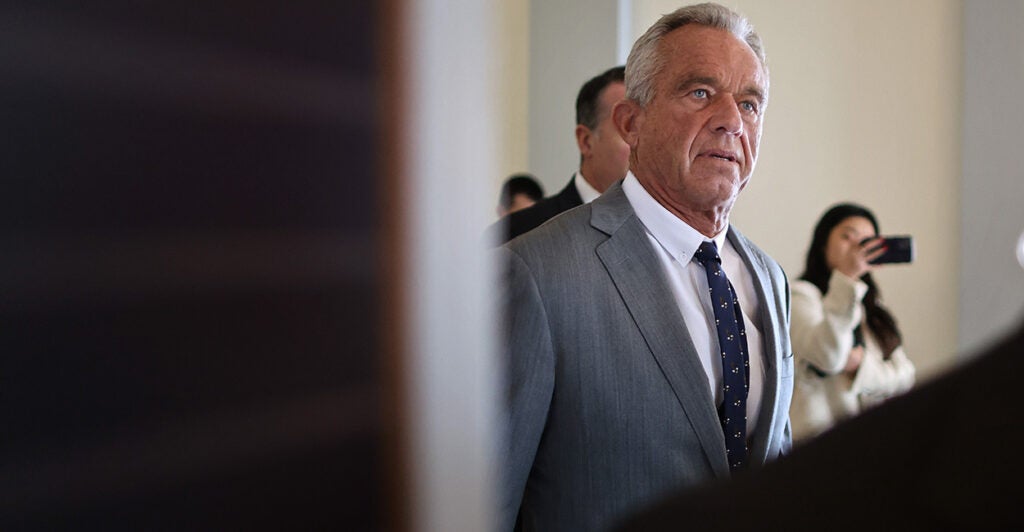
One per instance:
(638, 277)
(772, 350)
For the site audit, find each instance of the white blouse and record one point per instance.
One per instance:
(822, 334)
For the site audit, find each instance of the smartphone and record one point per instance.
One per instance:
(899, 249)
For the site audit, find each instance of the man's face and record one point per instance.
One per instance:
(695, 144)
(605, 154)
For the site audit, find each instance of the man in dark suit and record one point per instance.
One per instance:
(626, 380)
(946, 456)
(604, 158)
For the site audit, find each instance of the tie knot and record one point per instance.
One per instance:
(707, 253)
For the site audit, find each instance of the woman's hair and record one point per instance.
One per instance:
(817, 272)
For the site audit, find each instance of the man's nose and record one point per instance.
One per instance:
(726, 118)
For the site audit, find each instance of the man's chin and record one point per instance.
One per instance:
(722, 198)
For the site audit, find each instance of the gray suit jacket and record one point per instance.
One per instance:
(608, 404)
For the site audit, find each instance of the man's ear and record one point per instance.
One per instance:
(627, 117)
(583, 135)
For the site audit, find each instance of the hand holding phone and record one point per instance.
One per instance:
(898, 249)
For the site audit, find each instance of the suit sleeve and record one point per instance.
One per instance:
(529, 380)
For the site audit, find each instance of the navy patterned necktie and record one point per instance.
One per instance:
(735, 363)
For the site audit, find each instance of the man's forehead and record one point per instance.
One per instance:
(706, 43)
(699, 52)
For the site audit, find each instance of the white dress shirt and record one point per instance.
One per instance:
(675, 243)
(587, 192)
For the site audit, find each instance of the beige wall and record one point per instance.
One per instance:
(514, 47)
(865, 106)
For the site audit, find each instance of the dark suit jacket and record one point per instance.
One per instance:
(529, 218)
(946, 456)
(609, 408)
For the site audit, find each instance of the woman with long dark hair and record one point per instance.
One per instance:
(848, 348)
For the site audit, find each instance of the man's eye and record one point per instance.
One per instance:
(701, 93)
(749, 106)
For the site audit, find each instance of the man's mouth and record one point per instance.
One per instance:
(722, 155)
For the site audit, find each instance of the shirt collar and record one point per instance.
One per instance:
(676, 236)
(587, 192)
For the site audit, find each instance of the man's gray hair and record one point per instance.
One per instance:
(645, 61)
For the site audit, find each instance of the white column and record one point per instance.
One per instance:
(450, 131)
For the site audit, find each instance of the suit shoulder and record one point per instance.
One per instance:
(565, 230)
(530, 218)
(527, 219)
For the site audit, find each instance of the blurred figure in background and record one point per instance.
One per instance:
(848, 347)
(604, 157)
(519, 192)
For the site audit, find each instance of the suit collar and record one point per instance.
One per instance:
(764, 289)
(677, 237)
(611, 210)
(763, 433)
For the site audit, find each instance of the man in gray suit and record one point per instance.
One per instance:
(616, 387)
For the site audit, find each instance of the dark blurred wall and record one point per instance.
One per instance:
(188, 257)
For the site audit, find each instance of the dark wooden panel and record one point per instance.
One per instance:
(189, 296)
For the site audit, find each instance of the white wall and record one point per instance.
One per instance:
(451, 131)
(865, 106)
(992, 214)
